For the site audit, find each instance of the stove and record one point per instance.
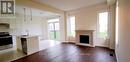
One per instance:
(5, 40)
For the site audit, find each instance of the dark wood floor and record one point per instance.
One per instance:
(71, 53)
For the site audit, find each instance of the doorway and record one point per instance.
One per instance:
(54, 29)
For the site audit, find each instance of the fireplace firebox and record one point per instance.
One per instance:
(84, 39)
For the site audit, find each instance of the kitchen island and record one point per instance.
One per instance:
(28, 44)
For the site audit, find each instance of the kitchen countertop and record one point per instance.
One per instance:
(28, 36)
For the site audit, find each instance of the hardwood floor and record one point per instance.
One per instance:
(71, 53)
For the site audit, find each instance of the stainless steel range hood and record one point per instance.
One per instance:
(4, 26)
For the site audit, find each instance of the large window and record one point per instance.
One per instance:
(72, 25)
(103, 24)
(54, 29)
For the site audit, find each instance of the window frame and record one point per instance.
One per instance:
(98, 25)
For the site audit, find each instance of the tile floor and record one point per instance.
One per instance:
(12, 54)
(47, 43)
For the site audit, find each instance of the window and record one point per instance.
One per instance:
(71, 26)
(103, 24)
(72, 22)
(54, 29)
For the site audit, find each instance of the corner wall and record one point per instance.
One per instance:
(87, 19)
(123, 41)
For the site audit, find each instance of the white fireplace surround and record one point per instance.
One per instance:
(85, 32)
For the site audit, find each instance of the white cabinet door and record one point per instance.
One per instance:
(32, 45)
(23, 19)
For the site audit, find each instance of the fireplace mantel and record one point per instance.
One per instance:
(84, 32)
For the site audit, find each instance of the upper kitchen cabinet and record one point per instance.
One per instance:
(23, 18)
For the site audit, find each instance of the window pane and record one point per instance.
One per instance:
(57, 32)
(103, 24)
(57, 35)
(51, 27)
(56, 26)
(51, 33)
(72, 24)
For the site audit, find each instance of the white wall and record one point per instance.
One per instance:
(62, 28)
(123, 41)
(45, 29)
(111, 27)
(87, 18)
(31, 27)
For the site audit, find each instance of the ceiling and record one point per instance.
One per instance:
(67, 5)
(35, 12)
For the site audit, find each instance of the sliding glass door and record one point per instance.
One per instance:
(53, 27)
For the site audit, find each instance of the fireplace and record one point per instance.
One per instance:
(84, 37)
